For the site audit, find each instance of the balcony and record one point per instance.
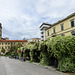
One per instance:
(42, 39)
(53, 34)
(41, 32)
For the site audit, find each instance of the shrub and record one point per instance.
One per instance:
(66, 65)
(3, 50)
(44, 58)
(26, 53)
(63, 48)
(8, 53)
(34, 52)
(58, 48)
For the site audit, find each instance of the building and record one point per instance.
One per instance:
(6, 43)
(43, 27)
(5, 38)
(34, 40)
(0, 31)
(63, 27)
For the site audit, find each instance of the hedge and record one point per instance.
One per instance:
(63, 48)
(60, 48)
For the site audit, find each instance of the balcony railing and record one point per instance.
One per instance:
(41, 32)
(42, 39)
(53, 34)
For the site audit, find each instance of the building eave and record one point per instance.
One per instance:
(45, 24)
(73, 14)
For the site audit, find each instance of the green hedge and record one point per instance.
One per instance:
(66, 65)
(45, 58)
(34, 52)
(30, 52)
(59, 48)
(63, 48)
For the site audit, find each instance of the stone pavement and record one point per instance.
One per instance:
(16, 67)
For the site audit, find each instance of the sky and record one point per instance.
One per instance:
(22, 18)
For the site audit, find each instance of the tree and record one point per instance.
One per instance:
(3, 50)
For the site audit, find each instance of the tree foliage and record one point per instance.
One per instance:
(60, 48)
(3, 50)
(63, 48)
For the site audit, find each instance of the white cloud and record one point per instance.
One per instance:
(55, 8)
(21, 18)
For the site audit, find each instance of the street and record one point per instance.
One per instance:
(16, 67)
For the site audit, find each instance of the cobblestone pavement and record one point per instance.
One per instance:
(16, 67)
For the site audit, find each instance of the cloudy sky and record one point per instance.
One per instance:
(22, 18)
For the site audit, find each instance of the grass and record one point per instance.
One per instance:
(31, 61)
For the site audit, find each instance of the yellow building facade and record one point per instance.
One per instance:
(63, 27)
(6, 44)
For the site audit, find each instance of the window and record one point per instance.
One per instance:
(41, 32)
(5, 47)
(72, 23)
(42, 36)
(0, 47)
(2, 43)
(73, 32)
(14, 43)
(8, 47)
(48, 32)
(8, 43)
(22, 43)
(53, 30)
(62, 27)
(5, 43)
(11, 43)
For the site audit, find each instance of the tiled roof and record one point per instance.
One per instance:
(13, 40)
